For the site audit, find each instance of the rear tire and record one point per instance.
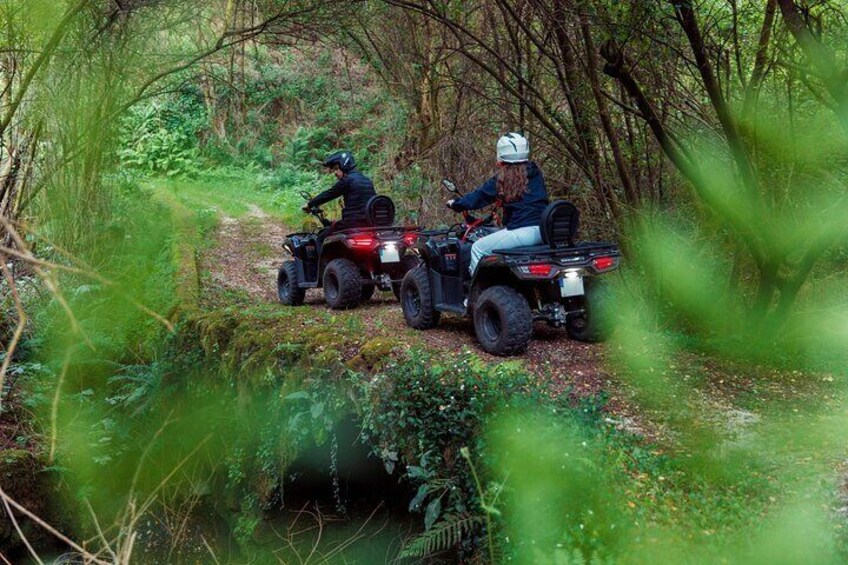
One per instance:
(416, 300)
(288, 290)
(342, 284)
(596, 324)
(503, 321)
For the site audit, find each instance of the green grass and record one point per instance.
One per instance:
(231, 197)
(240, 193)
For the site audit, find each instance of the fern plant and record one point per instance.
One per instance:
(444, 535)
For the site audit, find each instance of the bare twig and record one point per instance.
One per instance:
(209, 548)
(354, 538)
(54, 408)
(52, 44)
(9, 501)
(49, 281)
(152, 497)
(87, 272)
(19, 329)
(18, 529)
(100, 534)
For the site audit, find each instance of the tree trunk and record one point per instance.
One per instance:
(580, 113)
(752, 89)
(820, 56)
(603, 111)
(689, 24)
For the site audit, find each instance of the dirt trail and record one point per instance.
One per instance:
(248, 253)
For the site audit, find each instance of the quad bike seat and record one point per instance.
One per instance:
(560, 220)
(381, 211)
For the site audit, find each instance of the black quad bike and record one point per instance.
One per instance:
(557, 282)
(351, 263)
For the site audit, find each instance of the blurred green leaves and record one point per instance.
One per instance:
(562, 495)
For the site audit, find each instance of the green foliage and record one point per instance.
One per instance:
(308, 147)
(160, 137)
(445, 535)
(236, 393)
(424, 412)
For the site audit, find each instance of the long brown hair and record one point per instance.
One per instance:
(512, 182)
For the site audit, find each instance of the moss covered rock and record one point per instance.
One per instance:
(373, 353)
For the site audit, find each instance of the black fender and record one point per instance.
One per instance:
(493, 271)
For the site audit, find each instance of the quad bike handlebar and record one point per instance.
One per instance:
(314, 210)
(470, 222)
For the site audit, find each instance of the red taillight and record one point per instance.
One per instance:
(604, 263)
(410, 238)
(541, 270)
(361, 241)
(537, 270)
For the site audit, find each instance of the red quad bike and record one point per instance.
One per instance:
(351, 263)
(557, 282)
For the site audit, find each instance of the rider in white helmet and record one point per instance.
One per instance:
(520, 187)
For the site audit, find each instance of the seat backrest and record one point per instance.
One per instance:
(559, 224)
(381, 211)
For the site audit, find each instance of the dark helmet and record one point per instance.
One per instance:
(341, 159)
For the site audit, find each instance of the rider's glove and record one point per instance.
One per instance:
(307, 208)
(449, 203)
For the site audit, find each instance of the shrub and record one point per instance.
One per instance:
(160, 137)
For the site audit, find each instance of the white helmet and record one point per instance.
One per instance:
(513, 148)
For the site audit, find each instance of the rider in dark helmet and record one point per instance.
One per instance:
(351, 185)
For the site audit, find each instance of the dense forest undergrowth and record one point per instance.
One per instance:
(159, 405)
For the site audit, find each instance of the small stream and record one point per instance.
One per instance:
(337, 504)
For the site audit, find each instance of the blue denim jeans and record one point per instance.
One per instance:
(504, 239)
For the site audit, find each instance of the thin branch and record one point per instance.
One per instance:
(54, 408)
(9, 501)
(18, 529)
(52, 43)
(19, 329)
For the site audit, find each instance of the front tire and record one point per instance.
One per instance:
(503, 321)
(416, 300)
(342, 285)
(408, 262)
(288, 290)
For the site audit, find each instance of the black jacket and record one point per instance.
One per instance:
(524, 212)
(356, 189)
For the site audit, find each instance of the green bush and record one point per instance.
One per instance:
(308, 146)
(160, 136)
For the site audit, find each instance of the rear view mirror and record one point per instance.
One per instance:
(450, 186)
